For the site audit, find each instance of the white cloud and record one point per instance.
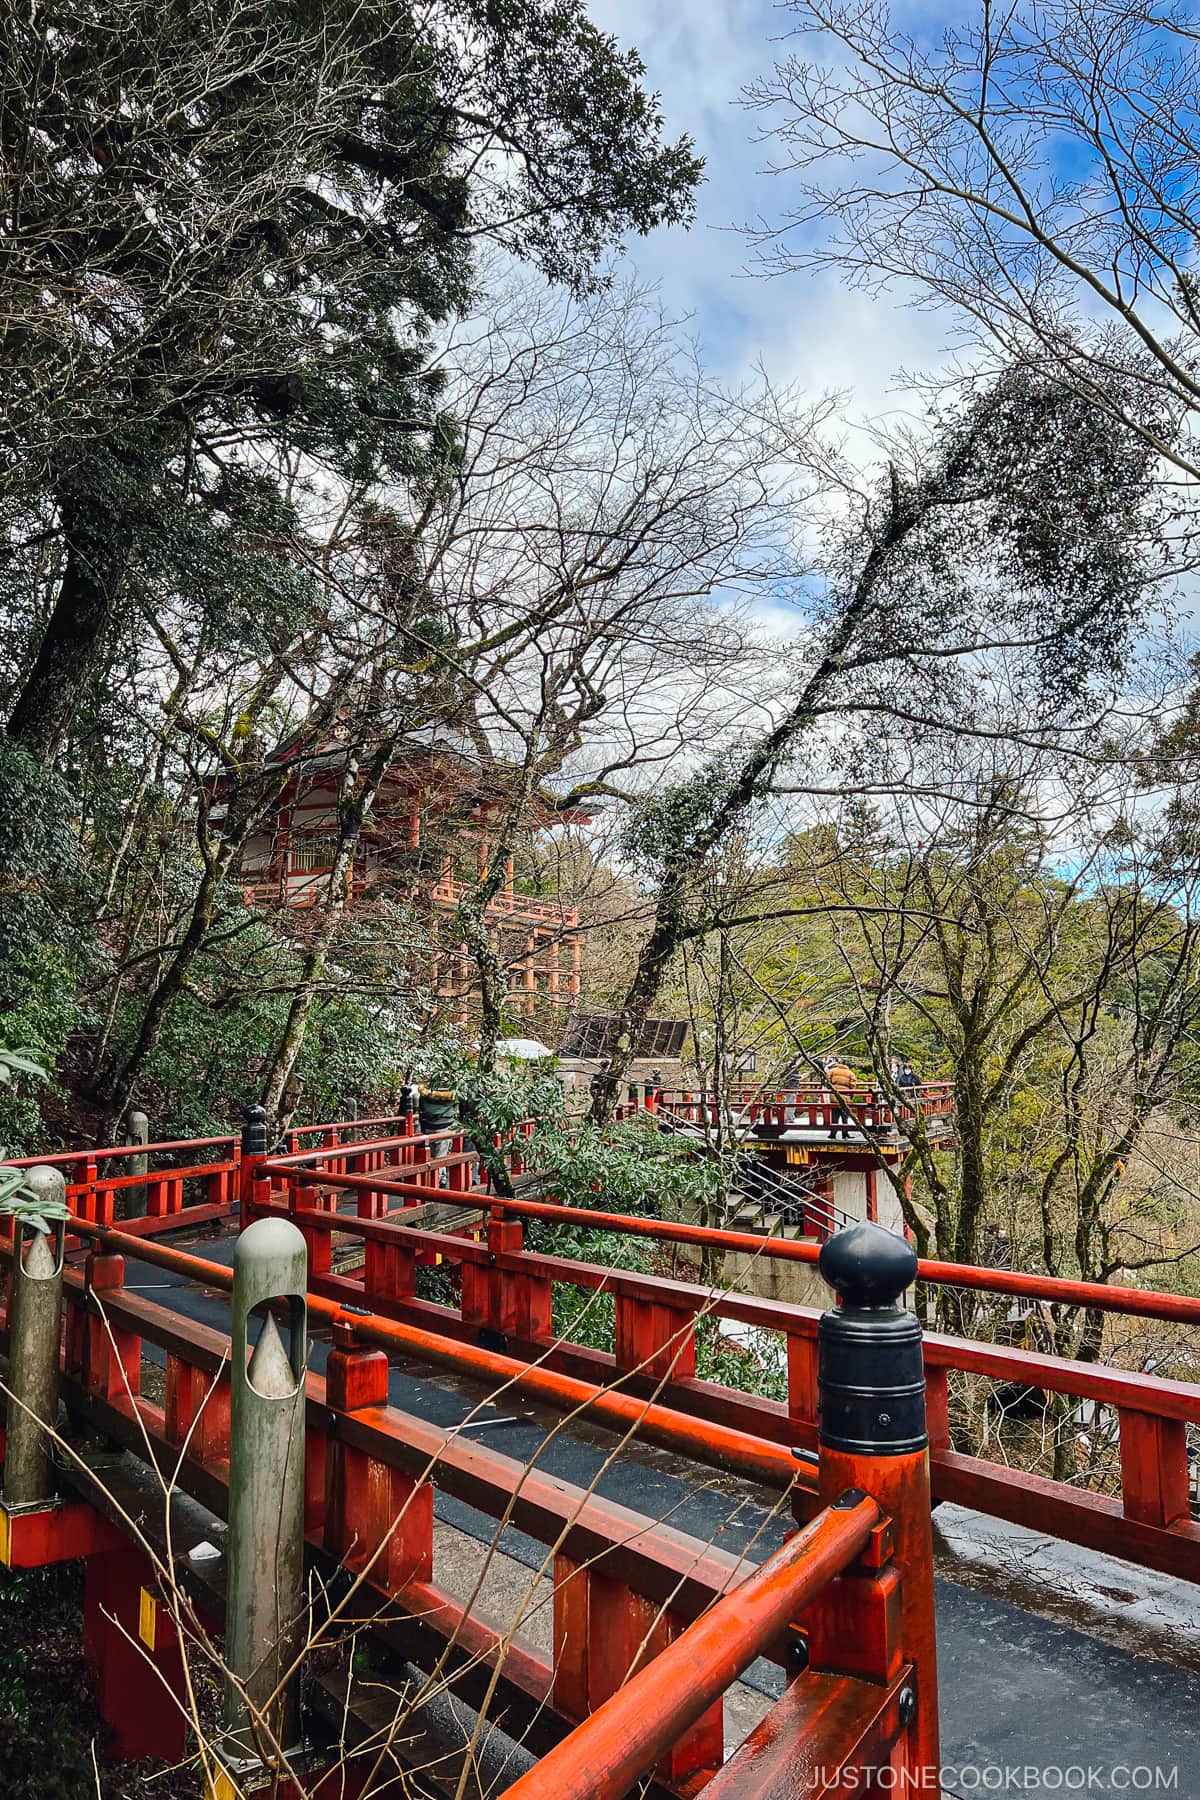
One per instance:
(700, 54)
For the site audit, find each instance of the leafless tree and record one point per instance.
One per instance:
(1029, 168)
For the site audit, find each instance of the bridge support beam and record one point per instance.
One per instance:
(134, 1651)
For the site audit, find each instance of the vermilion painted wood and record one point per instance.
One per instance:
(1154, 1468)
(670, 1573)
(1077, 1517)
(197, 1408)
(30, 1540)
(901, 1487)
(1150, 1393)
(826, 1736)
(140, 1687)
(663, 1564)
(1052, 1508)
(622, 1740)
(1182, 1308)
(58, 1158)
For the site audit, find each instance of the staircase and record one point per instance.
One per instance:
(764, 1200)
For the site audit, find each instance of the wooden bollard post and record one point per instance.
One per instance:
(264, 1609)
(35, 1323)
(137, 1131)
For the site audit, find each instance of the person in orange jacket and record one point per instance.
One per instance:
(840, 1077)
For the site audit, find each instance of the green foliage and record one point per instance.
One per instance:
(40, 871)
(584, 1316)
(667, 822)
(15, 1063)
(494, 1101)
(628, 1167)
(20, 1202)
(755, 1362)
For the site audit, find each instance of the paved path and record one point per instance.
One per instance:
(1029, 1705)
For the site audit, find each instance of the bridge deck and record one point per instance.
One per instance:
(1055, 1660)
(1098, 1683)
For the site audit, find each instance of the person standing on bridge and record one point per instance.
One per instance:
(437, 1113)
(840, 1077)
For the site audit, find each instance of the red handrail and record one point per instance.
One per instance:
(55, 1157)
(349, 1124)
(720, 1445)
(1181, 1308)
(623, 1739)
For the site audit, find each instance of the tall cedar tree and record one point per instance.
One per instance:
(231, 226)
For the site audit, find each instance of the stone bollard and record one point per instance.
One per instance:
(137, 1131)
(872, 1433)
(35, 1325)
(264, 1612)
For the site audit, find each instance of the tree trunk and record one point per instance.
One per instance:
(168, 988)
(672, 925)
(356, 797)
(295, 1029)
(66, 658)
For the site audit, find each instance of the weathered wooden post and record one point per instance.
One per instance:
(35, 1316)
(137, 1131)
(872, 1433)
(264, 1614)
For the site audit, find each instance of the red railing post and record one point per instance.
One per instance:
(113, 1354)
(655, 1338)
(603, 1632)
(389, 1271)
(802, 1377)
(518, 1303)
(377, 1518)
(1154, 1468)
(196, 1410)
(873, 1438)
(318, 1240)
(253, 1153)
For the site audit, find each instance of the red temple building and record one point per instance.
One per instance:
(427, 841)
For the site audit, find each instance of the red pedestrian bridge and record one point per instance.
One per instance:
(281, 1429)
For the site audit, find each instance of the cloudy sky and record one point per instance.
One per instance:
(700, 54)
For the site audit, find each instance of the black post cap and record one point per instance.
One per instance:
(871, 1375)
(868, 1266)
(254, 1131)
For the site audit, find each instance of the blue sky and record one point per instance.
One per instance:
(699, 55)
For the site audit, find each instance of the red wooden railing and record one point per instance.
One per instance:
(182, 1187)
(814, 1107)
(636, 1603)
(638, 1727)
(188, 1189)
(506, 1289)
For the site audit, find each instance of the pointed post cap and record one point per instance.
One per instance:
(867, 1266)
